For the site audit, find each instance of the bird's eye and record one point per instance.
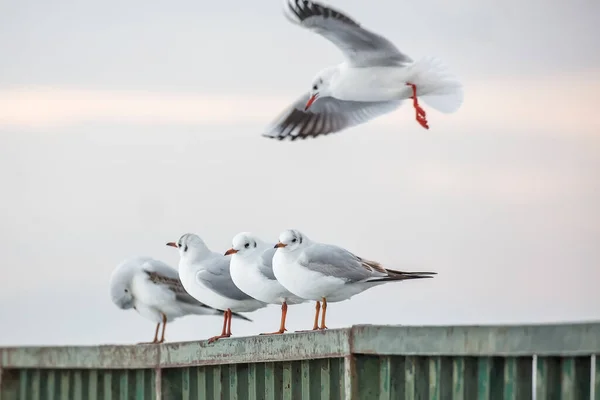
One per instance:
(185, 248)
(294, 240)
(126, 290)
(247, 245)
(315, 87)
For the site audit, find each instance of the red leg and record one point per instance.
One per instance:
(420, 113)
(282, 323)
(224, 330)
(229, 318)
(316, 324)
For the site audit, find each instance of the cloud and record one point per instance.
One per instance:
(559, 103)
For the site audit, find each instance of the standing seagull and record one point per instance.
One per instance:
(205, 275)
(327, 273)
(373, 80)
(154, 290)
(252, 272)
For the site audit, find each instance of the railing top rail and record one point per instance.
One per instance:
(466, 340)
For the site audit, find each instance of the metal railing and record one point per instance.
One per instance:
(555, 361)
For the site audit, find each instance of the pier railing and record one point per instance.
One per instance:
(557, 361)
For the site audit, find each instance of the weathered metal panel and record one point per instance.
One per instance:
(436, 378)
(362, 362)
(507, 340)
(316, 379)
(64, 384)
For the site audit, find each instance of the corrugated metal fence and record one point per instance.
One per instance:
(362, 362)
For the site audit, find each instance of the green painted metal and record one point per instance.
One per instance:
(362, 362)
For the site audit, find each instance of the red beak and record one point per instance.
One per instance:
(279, 244)
(172, 244)
(230, 251)
(310, 101)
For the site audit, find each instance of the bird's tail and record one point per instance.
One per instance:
(240, 316)
(203, 309)
(435, 85)
(394, 275)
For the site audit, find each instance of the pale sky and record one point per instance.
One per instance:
(124, 125)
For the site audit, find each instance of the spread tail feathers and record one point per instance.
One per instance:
(436, 87)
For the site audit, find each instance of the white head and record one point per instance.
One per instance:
(120, 283)
(244, 243)
(291, 239)
(321, 86)
(190, 246)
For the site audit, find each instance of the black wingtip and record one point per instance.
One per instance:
(240, 316)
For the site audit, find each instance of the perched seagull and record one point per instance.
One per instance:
(252, 272)
(205, 275)
(327, 273)
(154, 290)
(373, 80)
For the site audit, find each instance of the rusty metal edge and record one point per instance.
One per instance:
(288, 347)
(571, 339)
(509, 340)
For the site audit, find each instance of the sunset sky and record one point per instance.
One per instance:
(124, 125)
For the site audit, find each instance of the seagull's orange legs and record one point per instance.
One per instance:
(226, 331)
(420, 113)
(164, 321)
(323, 315)
(316, 324)
(282, 323)
(155, 340)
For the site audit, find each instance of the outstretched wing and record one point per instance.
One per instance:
(327, 115)
(360, 46)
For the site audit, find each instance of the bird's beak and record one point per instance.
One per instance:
(279, 244)
(172, 244)
(230, 251)
(311, 101)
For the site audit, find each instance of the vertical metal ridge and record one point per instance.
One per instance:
(185, 384)
(385, 378)
(287, 380)
(252, 381)
(484, 377)
(23, 383)
(435, 378)
(548, 377)
(231, 384)
(50, 385)
(575, 377)
(458, 373)
(36, 384)
(518, 380)
(306, 379)
(326, 379)
(595, 386)
(92, 392)
(65, 384)
(77, 384)
(124, 385)
(140, 384)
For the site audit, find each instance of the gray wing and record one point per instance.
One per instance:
(361, 47)
(327, 115)
(162, 274)
(266, 263)
(216, 276)
(335, 261)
